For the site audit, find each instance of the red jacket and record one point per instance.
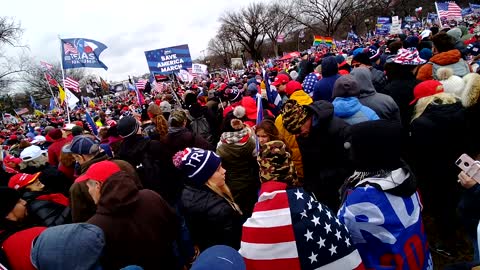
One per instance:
(54, 151)
(18, 246)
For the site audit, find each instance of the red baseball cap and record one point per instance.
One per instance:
(425, 89)
(280, 79)
(21, 180)
(10, 159)
(292, 86)
(100, 171)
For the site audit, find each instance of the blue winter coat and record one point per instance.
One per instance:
(352, 111)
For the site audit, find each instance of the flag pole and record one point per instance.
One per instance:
(63, 77)
(438, 15)
(49, 87)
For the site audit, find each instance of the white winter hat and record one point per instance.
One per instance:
(451, 83)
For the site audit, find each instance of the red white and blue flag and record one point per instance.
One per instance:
(140, 84)
(449, 10)
(72, 84)
(91, 124)
(46, 65)
(290, 230)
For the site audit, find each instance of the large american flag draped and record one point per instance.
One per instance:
(72, 84)
(290, 230)
(449, 10)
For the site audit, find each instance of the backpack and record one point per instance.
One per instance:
(459, 68)
(149, 170)
(200, 127)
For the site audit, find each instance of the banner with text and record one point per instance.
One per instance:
(169, 60)
(199, 69)
(383, 26)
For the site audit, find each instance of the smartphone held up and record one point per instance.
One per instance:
(470, 166)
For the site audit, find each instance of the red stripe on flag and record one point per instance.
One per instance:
(280, 203)
(290, 264)
(271, 235)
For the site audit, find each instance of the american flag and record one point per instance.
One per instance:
(21, 111)
(140, 84)
(46, 65)
(71, 84)
(69, 48)
(450, 10)
(91, 124)
(290, 230)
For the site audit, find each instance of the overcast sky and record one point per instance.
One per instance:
(128, 28)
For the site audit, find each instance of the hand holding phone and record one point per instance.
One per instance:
(470, 166)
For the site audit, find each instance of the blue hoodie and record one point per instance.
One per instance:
(323, 89)
(352, 111)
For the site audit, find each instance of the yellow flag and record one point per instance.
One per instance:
(61, 94)
(91, 104)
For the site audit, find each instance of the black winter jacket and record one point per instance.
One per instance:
(210, 218)
(47, 213)
(325, 160)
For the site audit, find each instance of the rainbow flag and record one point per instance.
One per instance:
(328, 41)
(317, 40)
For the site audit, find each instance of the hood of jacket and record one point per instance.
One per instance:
(322, 112)
(363, 77)
(471, 94)
(400, 182)
(80, 244)
(301, 97)
(346, 107)
(329, 66)
(446, 58)
(119, 195)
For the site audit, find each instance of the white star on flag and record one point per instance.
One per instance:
(327, 228)
(316, 220)
(338, 235)
(333, 249)
(299, 194)
(309, 205)
(338, 221)
(329, 215)
(304, 213)
(308, 235)
(347, 242)
(313, 258)
(320, 208)
(321, 243)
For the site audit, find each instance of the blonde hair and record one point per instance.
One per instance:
(225, 193)
(35, 163)
(439, 99)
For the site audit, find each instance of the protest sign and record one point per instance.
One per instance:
(169, 60)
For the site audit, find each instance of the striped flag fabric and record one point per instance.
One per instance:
(449, 10)
(69, 48)
(21, 111)
(140, 84)
(71, 84)
(290, 230)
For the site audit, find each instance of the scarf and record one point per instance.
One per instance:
(240, 137)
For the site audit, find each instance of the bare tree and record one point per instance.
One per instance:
(279, 23)
(222, 45)
(325, 16)
(248, 27)
(10, 32)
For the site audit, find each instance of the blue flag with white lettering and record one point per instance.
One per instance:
(82, 52)
(169, 60)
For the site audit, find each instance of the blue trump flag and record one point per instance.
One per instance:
(51, 107)
(169, 60)
(91, 124)
(33, 103)
(82, 52)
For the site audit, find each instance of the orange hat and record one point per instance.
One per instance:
(21, 180)
(425, 89)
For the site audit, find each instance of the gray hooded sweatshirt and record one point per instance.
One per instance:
(382, 104)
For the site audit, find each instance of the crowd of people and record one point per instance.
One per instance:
(339, 175)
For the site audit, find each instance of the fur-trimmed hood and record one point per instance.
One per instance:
(471, 94)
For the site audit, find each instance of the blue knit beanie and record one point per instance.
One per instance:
(197, 164)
